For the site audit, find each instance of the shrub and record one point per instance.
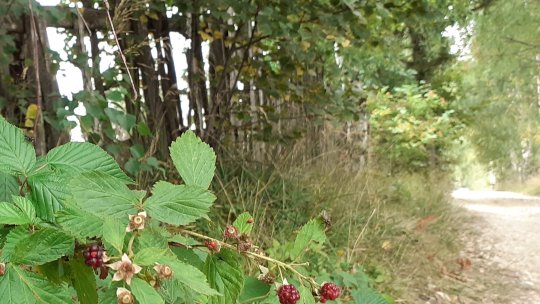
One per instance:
(74, 227)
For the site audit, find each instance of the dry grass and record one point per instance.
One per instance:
(401, 228)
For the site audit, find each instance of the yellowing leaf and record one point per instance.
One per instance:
(32, 111)
(152, 15)
(205, 36)
(305, 45)
(345, 43)
(218, 35)
(299, 70)
(143, 19)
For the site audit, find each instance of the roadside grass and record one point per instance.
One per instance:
(401, 228)
(531, 186)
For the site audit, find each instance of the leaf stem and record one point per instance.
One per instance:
(130, 244)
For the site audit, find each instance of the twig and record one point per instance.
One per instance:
(40, 134)
(108, 8)
(254, 255)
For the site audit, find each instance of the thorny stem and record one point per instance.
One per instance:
(256, 255)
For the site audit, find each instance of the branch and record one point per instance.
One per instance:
(244, 57)
(135, 93)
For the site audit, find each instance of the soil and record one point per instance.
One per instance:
(501, 255)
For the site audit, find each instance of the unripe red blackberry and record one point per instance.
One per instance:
(329, 291)
(213, 246)
(288, 294)
(93, 256)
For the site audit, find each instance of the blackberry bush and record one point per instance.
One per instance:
(139, 239)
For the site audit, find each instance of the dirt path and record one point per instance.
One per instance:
(503, 244)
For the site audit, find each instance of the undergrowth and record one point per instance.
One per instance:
(400, 229)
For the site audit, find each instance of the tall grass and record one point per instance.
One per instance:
(401, 228)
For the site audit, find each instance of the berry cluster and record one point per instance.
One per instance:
(93, 256)
(288, 294)
(329, 291)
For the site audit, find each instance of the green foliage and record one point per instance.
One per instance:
(74, 158)
(413, 127)
(17, 156)
(103, 195)
(178, 204)
(20, 212)
(242, 222)
(83, 280)
(9, 186)
(224, 275)
(501, 89)
(21, 286)
(194, 159)
(41, 247)
(311, 234)
(145, 293)
(52, 221)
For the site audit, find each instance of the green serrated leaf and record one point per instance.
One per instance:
(79, 223)
(103, 195)
(149, 256)
(194, 160)
(17, 156)
(178, 204)
(224, 273)
(8, 187)
(152, 237)
(53, 271)
(144, 293)
(253, 290)
(126, 121)
(188, 275)
(114, 232)
(84, 157)
(313, 231)
(20, 212)
(368, 296)
(108, 296)
(170, 290)
(19, 286)
(242, 223)
(83, 280)
(48, 193)
(43, 246)
(14, 237)
(306, 296)
(25, 206)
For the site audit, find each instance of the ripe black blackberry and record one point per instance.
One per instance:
(93, 256)
(288, 294)
(329, 291)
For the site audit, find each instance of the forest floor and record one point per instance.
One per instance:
(501, 253)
